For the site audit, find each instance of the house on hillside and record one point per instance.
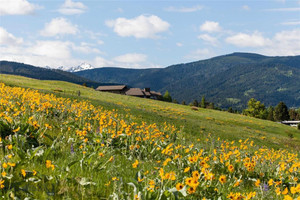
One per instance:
(117, 89)
(137, 92)
(156, 95)
(145, 93)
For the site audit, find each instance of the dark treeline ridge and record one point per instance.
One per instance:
(228, 80)
(21, 69)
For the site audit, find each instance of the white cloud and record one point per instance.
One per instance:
(7, 38)
(51, 49)
(131, 58)
(53, 53)
(71, 8)
(139, 27)
(59, 26)
(102, 62)
(210, 26)
(95, 36)
(41, 53)
(295, 9)
(200, 54)
(42, 61)
(85, 48)
(184, 9)
(284, 43)
(291, 23)
(209, 39)
(17, 7)
(248, 40)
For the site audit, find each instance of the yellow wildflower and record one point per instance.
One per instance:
(111, 159)
(23, 172)
(135, 164)
(1, 184)
(179, 186)
(187, 169)
(4, 165)
(288, 197)
(257, 183)
(222, 179)
(3, 173)
(285, 191)
(270, 182)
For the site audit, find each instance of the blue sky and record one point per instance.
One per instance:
(144, 34)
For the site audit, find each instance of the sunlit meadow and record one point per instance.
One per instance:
(58, 148)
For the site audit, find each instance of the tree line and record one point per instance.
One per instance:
(278, 113)
(255, 109)
(202, 104)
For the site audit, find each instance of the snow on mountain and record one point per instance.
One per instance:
(83, 66)
(61, 68)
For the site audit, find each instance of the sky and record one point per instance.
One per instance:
(144, 33)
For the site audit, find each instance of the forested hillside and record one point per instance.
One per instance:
(228, 81)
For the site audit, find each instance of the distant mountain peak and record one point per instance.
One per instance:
(81, 67)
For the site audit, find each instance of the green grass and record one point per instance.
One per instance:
(193, 123)
(90, 150)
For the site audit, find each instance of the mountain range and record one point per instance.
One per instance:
(15, 68)
(227, 81)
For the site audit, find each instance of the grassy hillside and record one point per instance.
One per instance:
(193, 123)
(53, 147)
(238, 76)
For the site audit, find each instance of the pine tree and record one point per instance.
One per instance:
(195, 103)
(167, 96)
(281, 112)
(203, 102)
(255, 109)
(183, 103)
(293, 114)
(270, 112)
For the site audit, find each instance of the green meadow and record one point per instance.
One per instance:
(194, 124)
(65, 141)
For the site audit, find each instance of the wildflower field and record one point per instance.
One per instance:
(55, 147)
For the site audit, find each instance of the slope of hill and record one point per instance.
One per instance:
(193, 124)
(229, 80)
(30, 71)
(55, 147)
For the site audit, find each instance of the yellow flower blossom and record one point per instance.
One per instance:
(222, 179)
(179, 186)
(135, 164)
(23, 172)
